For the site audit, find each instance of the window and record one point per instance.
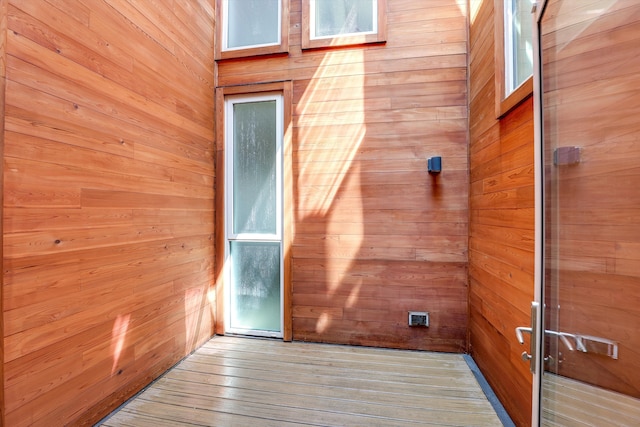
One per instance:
(245, 218)
(513, 53)
(251, 27)
(342, 22)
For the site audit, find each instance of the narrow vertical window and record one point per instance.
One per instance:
(513, 53)
(518, 43)
(254, 223)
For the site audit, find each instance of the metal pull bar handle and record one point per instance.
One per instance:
(532, 355)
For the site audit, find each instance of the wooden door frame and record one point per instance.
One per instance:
(286, 89)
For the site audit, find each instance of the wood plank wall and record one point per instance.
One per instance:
(592, 100)
(3, 74)
(501, 238)
(374, 235)
(108, 200)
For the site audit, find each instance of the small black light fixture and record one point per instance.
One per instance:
(434, 165)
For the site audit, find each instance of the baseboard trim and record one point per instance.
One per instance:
(488, 392)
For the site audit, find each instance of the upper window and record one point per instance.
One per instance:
(251, 27)
(518, 42)
(514, 53)
(342, 22)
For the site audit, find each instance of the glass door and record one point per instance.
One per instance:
(254, 271)
(588, 110)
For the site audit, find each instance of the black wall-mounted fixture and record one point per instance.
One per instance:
(434, 165)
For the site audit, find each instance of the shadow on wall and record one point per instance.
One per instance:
(375, 234)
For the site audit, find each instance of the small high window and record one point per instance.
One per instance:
(514, 53)
(342, 22)
(251, 27)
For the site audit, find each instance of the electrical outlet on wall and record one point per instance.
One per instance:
(419, 318)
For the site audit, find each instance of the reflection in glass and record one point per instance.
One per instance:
(339, 17)
(254, 168)
(591, 133)
(255, 287)
(252, 23)
(518, 42)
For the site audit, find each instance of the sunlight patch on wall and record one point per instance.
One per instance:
(193, 319)
(118, 338)
(462, 5)
(474, 8)
(345, 240)
(330, 102)
(331, 121)
(323, 323)
(354, 295)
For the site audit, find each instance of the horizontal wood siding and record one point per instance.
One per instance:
(3, 74)
(374, 235)
(108, 201)
(592, 100)
(501, 238)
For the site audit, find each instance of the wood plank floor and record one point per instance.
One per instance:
(234, 381)
(569, 402)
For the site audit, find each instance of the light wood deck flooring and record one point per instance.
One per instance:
(568, 402)
(234, 381)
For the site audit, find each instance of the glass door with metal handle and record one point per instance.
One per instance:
(587, 100)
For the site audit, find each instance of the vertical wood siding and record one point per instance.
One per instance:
(374, 235)
(501, 234)
(108, 200)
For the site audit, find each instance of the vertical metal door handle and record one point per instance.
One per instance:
(532, 355)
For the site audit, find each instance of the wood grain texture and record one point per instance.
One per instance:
(501, 236)
(593, 238)
(3, 83)
(108, 200)
(373, 234)
(570, 402)
(240, 381)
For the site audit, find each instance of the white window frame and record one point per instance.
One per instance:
(310, 41)
(312, 23)
(509, 48)
(229, 102)
(223, 51)
(506, 95)
(225, 30)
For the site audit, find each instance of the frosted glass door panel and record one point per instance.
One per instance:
(336, 17)
(253, 23)
(253, 225)
(255, 277)
(254, 168)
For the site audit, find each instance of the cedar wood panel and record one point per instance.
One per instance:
(501, 238)
(116, 210)
(3, 69)
(374, 235)
(108, 200)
